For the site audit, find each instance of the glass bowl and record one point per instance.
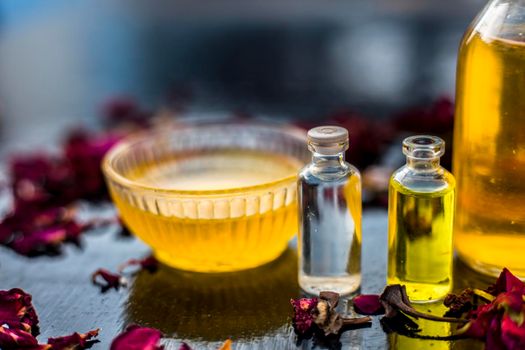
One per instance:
(210, 196)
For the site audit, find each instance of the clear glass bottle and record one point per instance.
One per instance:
(420, 221)
(489, 141)
(329, 191)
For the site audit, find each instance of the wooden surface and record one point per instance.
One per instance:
(251, 307)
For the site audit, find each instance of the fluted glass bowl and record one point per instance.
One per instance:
(210, 197)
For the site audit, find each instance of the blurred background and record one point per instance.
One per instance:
(62, 60)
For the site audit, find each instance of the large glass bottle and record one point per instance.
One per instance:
(489, 140)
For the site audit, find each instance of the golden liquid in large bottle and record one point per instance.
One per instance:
(420, 241)
(218, 236)
(489, 154)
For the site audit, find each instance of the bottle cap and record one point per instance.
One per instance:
(328, 139)
(325, 135)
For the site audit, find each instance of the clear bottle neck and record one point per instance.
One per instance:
(328, 160)
(423, 165)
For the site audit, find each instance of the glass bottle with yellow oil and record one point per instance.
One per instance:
(489, 140)
(420, 221)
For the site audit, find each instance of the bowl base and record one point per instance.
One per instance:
(217, 267)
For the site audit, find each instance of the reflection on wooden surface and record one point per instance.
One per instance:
(212, 307)
(251, 307)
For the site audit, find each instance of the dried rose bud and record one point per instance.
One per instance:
(327, 318)
(304, 313)
(459, 304)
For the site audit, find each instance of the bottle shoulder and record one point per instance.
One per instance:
(312, 174)
(439, 181)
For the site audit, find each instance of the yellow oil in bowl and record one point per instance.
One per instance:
(208, 208)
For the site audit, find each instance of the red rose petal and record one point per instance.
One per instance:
(17, 311)
(481, 319)
(138, 338)
(125, 110)
(107, 280)
(39, 241)
(73, 341)
(493, 340)
(149, 263)
(16, 338)
(84, 152)
(184, 346)
(368, 304)
(506, 282)
(510, 300)
(512, 334)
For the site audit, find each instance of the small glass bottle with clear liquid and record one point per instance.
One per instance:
(329, 191)
(420, 221)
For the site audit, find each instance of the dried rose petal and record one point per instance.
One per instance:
(493, 341)
(52, 216)
(47, 239)
(149, 263)
(512, 333)
(73, 341)
(479, 324)
(16, 338)
(41, 180)
(124, 110)
(137, 338)
(304, 313)
(50, 238)
(511, 301)
(437, 117)
(107, 280)
(17, 311)
(487, 322)
(506, 282)
(84, 153)
(227, 345)
(394, 299)
(368, 304)
(327, 319)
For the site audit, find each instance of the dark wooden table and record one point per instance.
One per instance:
(251, 307)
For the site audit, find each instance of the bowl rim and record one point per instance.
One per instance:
(178, 126)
